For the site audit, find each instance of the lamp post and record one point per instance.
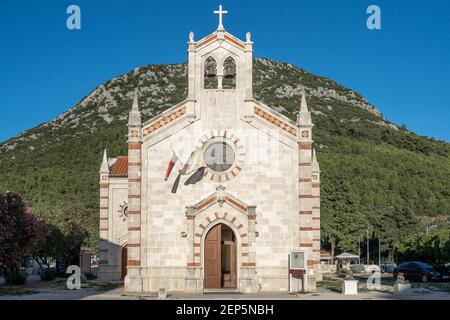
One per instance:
(359, 249)
(379, 252)
(368, 251)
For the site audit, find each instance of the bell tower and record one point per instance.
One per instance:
(220, 68)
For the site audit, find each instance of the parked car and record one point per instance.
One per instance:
(388, 267)
(421, 271)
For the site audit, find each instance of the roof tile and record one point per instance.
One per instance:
(120, 168)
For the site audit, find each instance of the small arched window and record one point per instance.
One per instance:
(229, 69)
(210, 77)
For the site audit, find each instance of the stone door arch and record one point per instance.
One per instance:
(221, 208)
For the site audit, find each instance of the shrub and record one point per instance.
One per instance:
(48, 275)
(18, 278)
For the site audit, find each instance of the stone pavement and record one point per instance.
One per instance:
(322, 294)
(118, 294)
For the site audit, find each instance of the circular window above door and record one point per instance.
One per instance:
(223, 155)
(219, 156)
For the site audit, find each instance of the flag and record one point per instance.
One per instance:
(193, 166)
(195, 161)
(176, 183)
(172, 163)
(196, 176)
(183, 152)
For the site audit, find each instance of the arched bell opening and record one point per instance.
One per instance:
(229, 77)
(210, 74)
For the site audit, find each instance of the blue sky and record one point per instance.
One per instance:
(404, 68)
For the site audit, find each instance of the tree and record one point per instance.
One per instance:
(433, 247)
(57, 243)
(52, 244)
(19, 235)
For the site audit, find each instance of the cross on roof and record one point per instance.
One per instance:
(220, 12)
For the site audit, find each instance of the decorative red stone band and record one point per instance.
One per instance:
(248, 264)
(305, 146)
(104, 185)
(134, 229)
(193, 264)
(207, 40)
(308, 229)
(134, 263)
(134, 245)
(134, 146)
(312, 262)
(316, 185)
(304, 180)
(134, 164)
(134, 180)
(305, 212)
(305, 164)
(234, 41)
(274, 120)
(161, 122)
(234, 203)
(306, 245)
(305, 196)
(206, 203)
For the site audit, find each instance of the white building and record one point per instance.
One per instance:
(259, 198)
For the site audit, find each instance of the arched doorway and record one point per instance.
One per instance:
(220, 258)
(124, 262)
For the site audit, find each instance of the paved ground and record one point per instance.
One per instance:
(114, 291)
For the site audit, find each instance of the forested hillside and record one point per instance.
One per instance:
(374, 173)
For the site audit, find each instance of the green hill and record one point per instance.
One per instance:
(374, 173)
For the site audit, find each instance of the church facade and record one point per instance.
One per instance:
(215, 192)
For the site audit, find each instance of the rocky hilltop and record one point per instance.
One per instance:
(375, 173)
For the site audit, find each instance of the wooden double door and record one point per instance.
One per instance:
(124, 261)
(220, 258)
